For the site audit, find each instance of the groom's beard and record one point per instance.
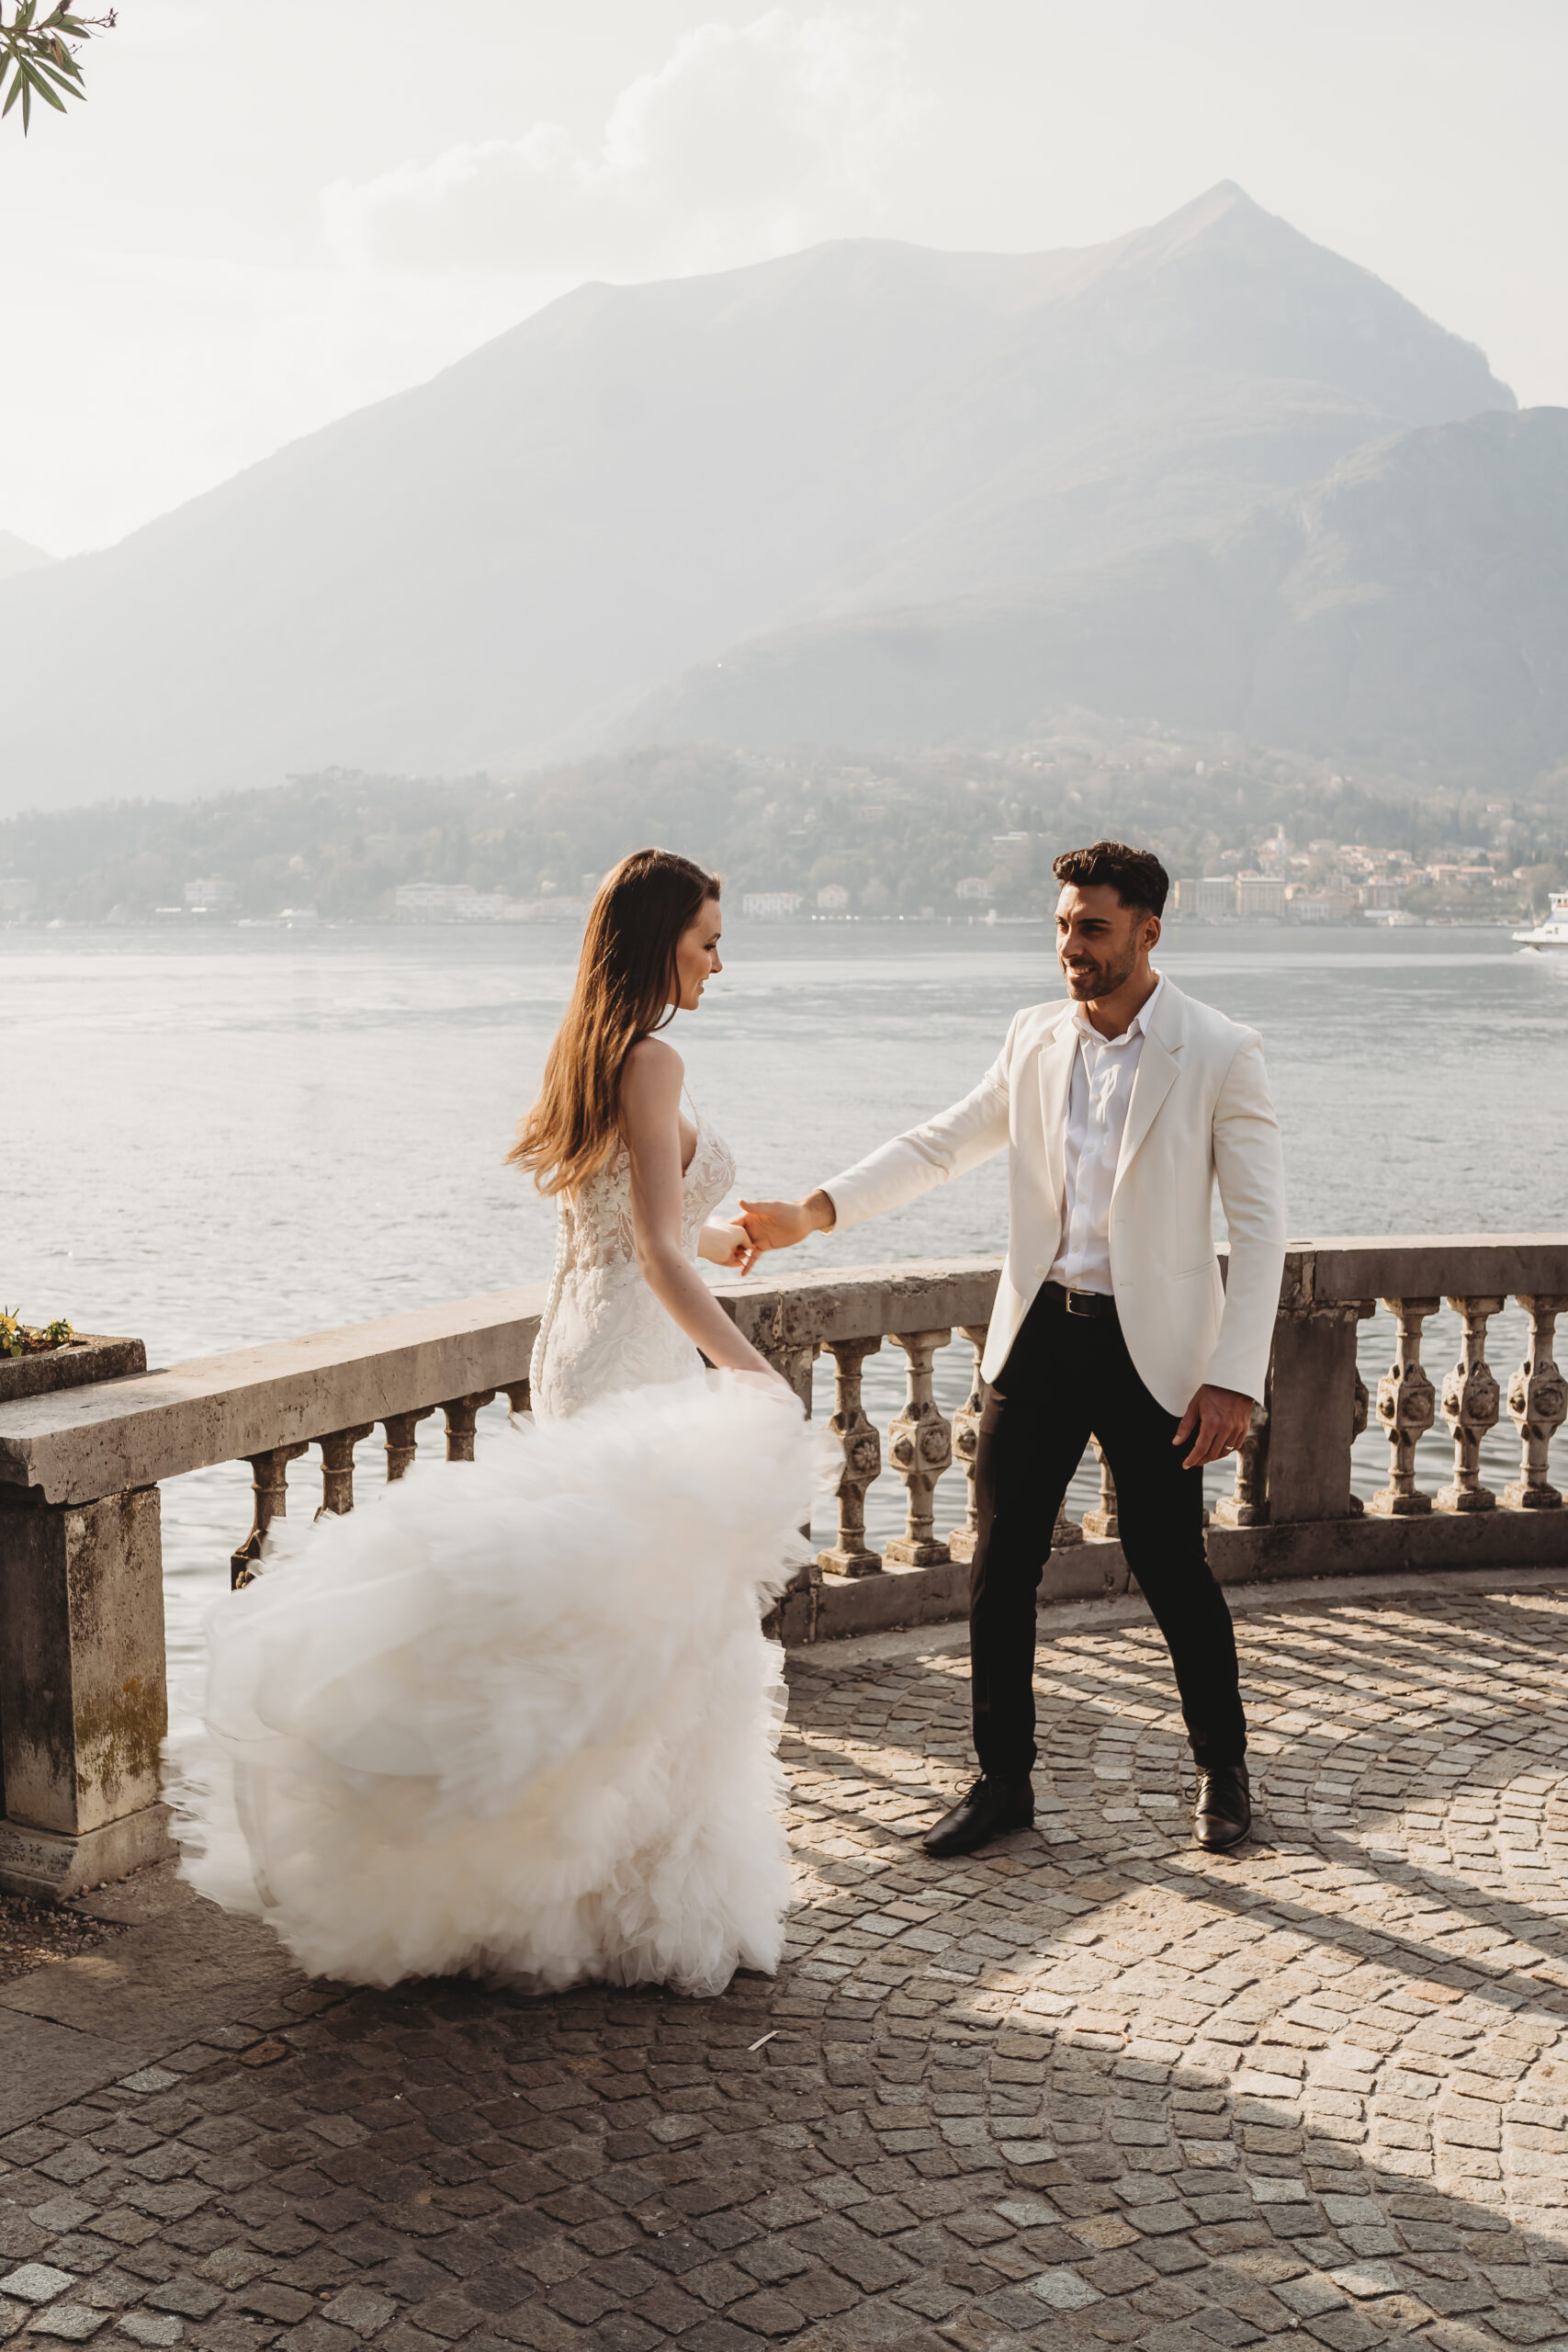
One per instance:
(1100, 980)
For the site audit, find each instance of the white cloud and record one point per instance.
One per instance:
(749, 139)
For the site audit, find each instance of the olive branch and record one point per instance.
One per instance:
(37, 58)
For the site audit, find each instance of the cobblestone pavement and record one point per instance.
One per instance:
(1093, 2088)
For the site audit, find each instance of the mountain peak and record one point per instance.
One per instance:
(485, 570)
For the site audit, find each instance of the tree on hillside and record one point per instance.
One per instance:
(37, 58)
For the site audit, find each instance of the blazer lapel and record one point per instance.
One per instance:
(1159, 1067)
(1057, 1056)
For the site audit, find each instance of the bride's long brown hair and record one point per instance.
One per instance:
(626, 980)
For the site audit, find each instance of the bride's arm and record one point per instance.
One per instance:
(650, 1121)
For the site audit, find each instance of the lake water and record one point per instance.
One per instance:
(213, 1140)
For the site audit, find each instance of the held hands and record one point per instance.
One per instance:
(1222, 1418)
(779, 1224)
(728, 1245)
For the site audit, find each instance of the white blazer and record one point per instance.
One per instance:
(1199, 1113)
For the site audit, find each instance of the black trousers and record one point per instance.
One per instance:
(1068, 1378)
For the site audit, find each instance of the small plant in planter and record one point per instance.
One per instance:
(19, 1339)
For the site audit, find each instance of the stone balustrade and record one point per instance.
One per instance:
(82, 1689)
(83, 1693)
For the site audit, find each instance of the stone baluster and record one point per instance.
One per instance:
(863, 1462)
(1361, 1421)
(402, 1442)
(519, 1400)
(1407, 1406)
(1248, 1503)
(967, 1446)
(793, 1359)
(920, 1446)
(1538, 1405)
(461, 1414)
(1102, 1521)
(337, 1470)
(269, 1489)
(1471, 1405)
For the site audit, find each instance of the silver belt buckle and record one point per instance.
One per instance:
(1084, 1302)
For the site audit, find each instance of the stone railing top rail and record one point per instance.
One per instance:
(1414, 1265)
(833, 1302)
(132, 1432)
(84, 1443)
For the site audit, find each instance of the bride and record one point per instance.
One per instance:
(519, 1716)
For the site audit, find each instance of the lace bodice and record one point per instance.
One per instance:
(596, 1224)
(603, 1331)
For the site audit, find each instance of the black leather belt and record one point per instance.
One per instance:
(1097, 1304)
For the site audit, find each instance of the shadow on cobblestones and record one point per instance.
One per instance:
(1093, 2088)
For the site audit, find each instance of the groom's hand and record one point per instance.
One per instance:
(779, 1224)
(1222, 1418)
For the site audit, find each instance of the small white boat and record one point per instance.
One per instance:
(1553, 931)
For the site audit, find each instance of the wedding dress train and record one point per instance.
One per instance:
(519, 1716)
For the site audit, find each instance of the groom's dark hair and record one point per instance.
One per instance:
(1135, 875)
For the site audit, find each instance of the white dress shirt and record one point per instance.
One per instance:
(1103, 1071)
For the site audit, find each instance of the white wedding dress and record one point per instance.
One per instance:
(518, 1717)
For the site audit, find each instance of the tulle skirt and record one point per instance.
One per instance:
(518, 1717)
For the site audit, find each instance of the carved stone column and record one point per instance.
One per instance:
(519, 1400)
(1247, 1504)
(920, 1446)
(337, 1469)
(1471, 1405)
(269, 1487)
(966, 1445)
(461, 1414)
(83, 1702)
(1314, 1397)
(1538, 1405)
(1102, 1521)
(402, 1442)
(1407, 1406)
(863, 1462)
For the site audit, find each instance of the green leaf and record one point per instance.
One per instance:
(38, 77)
(65, 71)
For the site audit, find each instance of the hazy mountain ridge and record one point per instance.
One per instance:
(1413, 606)
(489, 569)
(18, 556)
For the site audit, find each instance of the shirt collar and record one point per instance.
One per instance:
(1137, 1028)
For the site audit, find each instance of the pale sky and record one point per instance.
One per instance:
(266, 215)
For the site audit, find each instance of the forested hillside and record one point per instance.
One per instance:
(899, 835)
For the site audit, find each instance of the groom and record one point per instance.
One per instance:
(1120, 1110)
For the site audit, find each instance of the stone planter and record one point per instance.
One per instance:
(83, 1359)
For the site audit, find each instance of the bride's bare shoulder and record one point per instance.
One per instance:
(652, 1070)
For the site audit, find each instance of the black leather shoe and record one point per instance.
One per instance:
(991, 1809)
(1224, 1814)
